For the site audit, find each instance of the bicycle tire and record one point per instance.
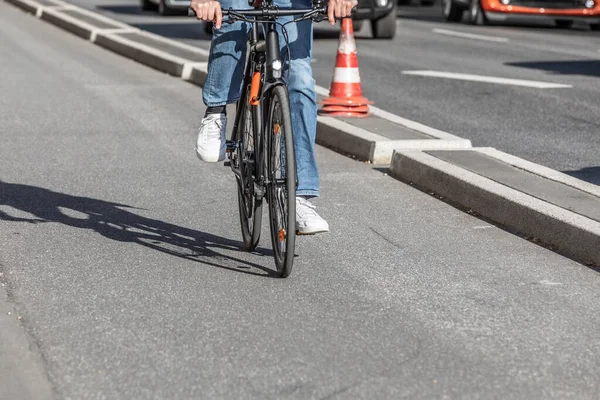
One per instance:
(281, 190)
(250, 208)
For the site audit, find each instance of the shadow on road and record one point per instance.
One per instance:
(589, 174)
(113, 221)
(578, 67)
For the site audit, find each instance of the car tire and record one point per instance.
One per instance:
(147, 5)
(451, 11)
(564, 23)
(476, 15)
(165, 10)
(427, 3)
(594, 27)
(357, 25)
(385, 27)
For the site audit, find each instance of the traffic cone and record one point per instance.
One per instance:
(345, 94)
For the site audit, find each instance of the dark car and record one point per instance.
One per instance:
(381, 14)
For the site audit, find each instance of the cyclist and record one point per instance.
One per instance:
(223, 86)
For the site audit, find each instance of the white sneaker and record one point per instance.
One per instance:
(307, 219)
(210, 145)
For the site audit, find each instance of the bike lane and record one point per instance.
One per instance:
(120, 250)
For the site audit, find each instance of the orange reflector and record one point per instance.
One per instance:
(281, 235)
(277, 129)
(254, 89)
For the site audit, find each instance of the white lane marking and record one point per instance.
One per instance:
(488, 79)
(471, 36)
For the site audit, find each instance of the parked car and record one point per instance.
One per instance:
(380, 13)
(563, 12)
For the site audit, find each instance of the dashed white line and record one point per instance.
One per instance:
(471, 36)
(488, 79)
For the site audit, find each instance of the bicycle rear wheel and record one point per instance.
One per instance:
(249, 206)
(281, 190)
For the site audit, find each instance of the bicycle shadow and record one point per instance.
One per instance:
(114, 221)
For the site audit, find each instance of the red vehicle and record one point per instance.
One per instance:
(563, 12)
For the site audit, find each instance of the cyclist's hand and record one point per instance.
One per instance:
(208, 10)
(340, 9)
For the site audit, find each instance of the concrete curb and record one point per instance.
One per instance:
(55, 16)
(141, 53)
(541, 170)
(26, 5)
(332, 133)
(566, 232)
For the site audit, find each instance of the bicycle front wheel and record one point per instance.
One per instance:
(249, 206)
(281, 170)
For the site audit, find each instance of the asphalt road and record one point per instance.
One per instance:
(557, 128)
(119, 251)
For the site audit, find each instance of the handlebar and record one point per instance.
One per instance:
(268, 12)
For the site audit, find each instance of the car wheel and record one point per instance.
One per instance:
(427, 3)
(147, 5)
(476, 15)
(385, 28)
(165, 10)
(452, 12)
(564, 23)
(357, 25)
(594, 27)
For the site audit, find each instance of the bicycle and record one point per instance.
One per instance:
(261, 149)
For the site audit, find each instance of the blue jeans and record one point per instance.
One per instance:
(226, 71)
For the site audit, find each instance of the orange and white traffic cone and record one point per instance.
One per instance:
(345, 95)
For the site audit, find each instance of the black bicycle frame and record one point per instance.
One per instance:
(263, 53)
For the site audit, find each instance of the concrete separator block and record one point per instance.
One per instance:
(564, 231)
(26, 5)
(407, 123)
(197, 73)
(538, 169)
(348, 139)
(67, 22)
(147, 55)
